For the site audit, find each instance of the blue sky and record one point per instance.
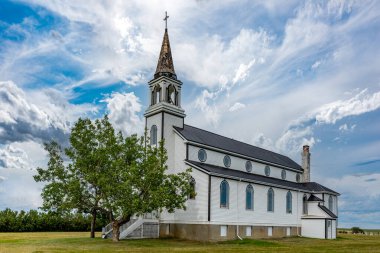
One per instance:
(276, 74)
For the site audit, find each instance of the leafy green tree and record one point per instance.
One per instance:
(141, 183)
(357, 230)
(110, 174)
(76, 186)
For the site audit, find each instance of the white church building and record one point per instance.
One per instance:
(242, 191)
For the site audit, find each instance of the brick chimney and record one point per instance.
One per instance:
(306, 163)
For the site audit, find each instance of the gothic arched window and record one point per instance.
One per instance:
(153, 135)
(172, 95)
(224, 194)
(289, 202)
(192, 188)
(156, 95)
(270, 206)
(249, 197)
(331, 203)
(304, 204)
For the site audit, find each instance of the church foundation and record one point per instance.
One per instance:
(209, 232)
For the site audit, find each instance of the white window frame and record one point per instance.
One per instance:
(223, 230)
(270, 231)
(248, 231)
(288, 231)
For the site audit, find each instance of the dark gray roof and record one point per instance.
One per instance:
(314, 198)
(204, 137)
(326, 210)
(313, 186)
(259, 179)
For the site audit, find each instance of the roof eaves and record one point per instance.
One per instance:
(327, 211)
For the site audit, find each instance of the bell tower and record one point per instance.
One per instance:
(164, 110)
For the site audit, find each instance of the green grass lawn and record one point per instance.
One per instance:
(79, 242)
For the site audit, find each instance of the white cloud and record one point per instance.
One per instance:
(261, 141)
(359, 104)
(11, 157)
(360, 185)
(205, 60)
(358, 202)
(123, 109)
(19, 191)
(242, 71)
(345, 128)
(205, 104)
(293, 139)
(25, 155)
(316, 65)
(18, 162)
(42, 115)
(236, 106)
(301, 131)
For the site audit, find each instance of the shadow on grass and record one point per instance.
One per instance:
(261, 243)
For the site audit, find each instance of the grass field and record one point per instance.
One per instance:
(79, 242)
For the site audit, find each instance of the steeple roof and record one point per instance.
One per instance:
(165, 65)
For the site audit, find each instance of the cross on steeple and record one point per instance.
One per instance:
(166, 20)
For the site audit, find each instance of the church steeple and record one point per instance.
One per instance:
(165, 89)
(165, 66)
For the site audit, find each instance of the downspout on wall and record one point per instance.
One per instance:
(237, 204)
(298, 229)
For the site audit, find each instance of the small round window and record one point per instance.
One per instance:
(298, 178)
(202, 155)
(283, 174)
(248, 166)
(267, 171)
(227, 161)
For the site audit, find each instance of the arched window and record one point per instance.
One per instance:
(331, 203)
(172, 95)
(249, 197)
(289, 202)
(304, 204)
(224, 194)
(156, 95)
(153, 135)
(192, 188)
(270, 206)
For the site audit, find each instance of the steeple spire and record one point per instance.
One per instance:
(165, 65)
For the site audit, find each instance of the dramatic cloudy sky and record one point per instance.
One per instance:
(277, 74)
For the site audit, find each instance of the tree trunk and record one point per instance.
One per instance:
(115, 231)
(93, 224)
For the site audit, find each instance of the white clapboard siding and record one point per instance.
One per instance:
(314, 228)
(237, 213)
(170, 135)
(196, 209)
